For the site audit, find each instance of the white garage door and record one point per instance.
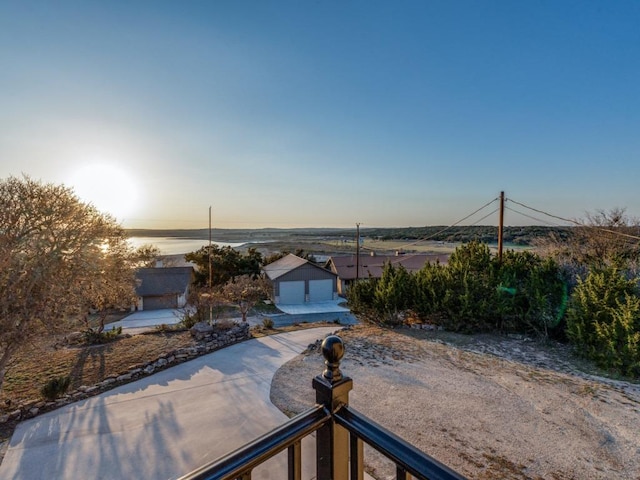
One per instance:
(320, 290)
(292, 292)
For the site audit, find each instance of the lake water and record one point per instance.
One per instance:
(175, 245)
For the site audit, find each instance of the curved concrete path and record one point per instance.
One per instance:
(165, 425)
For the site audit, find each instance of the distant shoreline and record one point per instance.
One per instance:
(515, 235)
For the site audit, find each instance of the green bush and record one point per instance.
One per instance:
(360, 297)
(189, 320)
(531, 294)
(393, 293)
(267, 322)
(55, 388)
(93, 337)
(469, 301)
(431, 284)
(603, 320)
(473, 292)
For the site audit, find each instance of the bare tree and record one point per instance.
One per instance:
(111, 283)
(603, 238)
(244, 292)
(58, 257)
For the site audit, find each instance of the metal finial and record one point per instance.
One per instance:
(332, 351)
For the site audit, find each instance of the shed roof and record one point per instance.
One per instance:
(286, 264)
(373, 265)
(163, 281)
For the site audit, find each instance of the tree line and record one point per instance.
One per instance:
(525, 235)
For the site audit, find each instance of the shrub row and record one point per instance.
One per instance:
(523, 293)
(474, 292)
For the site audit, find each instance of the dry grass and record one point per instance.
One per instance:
(42, 360)
(86, 365)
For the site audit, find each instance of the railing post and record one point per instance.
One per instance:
(332, 391)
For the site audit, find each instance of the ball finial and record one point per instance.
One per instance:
(332, 351)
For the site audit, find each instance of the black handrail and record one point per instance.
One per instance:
(403, 454)
(246, 458)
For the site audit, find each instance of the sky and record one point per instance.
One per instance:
(325, 113)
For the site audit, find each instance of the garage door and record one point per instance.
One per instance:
(157, 303)
(292, 292)
(320, 290)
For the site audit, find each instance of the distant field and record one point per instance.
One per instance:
(320, 241)
(409, 246)
(429, 246)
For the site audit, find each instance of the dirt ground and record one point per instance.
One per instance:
(488, 407)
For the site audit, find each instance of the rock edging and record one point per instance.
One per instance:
(208, 341)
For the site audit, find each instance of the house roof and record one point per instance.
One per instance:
(373, 265)
(285, 265)
(163, 281)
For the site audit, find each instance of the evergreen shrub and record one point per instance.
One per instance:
(603, 320)
(55, 387)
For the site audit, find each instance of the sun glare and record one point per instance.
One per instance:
(107, 187)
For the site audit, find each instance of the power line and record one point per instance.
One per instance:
(486, 216)
(533, 218)
(444, 229)
(467, 228)
(634, 237)
(416, 254)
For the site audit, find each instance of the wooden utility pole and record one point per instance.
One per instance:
(357, 252)
(210, 273)
(501, 227)
(209, 248)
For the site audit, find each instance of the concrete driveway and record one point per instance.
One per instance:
(147, 319)
(329, 306)
(165, 425)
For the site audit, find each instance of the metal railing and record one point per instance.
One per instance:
(341, 432)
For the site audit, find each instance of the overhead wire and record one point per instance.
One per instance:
(424, 239)
(532, 217)
(483, 218)
(601, 229)
(401, 259)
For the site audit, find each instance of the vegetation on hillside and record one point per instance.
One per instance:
(521, 235)
(474, 292)
(584, 288)
(524, 235)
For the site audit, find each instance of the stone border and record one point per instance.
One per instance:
(208, 342)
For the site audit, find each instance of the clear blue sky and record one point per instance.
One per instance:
(324, 113)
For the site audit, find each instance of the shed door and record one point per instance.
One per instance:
(320, 290)
(157, 303)
(292, 292)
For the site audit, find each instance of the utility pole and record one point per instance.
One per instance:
(501, 227)
(357, 252)
(210, 273)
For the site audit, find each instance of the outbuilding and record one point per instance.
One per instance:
(159, 288)
(296, 280)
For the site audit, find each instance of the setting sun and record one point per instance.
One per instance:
(109, 188)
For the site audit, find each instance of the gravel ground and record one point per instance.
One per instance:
(489, 407)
